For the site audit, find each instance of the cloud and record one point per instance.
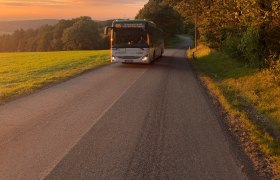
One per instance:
(106, 2)
(71, 2)
(64, 9)
(31, 3)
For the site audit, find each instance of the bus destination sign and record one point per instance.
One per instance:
(130, 25)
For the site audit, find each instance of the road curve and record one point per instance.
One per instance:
(118, 122)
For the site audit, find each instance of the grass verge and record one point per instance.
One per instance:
(22, 73)
(251, 99)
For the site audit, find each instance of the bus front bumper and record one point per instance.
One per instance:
(143, 60)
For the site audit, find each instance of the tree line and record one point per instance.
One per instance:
(248, 30)
(165, 17)
(77, 34)
(85, 34)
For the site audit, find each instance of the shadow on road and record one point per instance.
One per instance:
(134, 66)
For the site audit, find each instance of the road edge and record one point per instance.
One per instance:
(242, 158)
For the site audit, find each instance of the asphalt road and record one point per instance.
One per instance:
(119, 122)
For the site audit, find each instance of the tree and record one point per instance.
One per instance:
(169, 20)
(44, 38)
(233, 25)
(82, 35)
(77, 34)
(56, 42)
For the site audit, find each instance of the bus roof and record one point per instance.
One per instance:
(136, 21)
(133, 21)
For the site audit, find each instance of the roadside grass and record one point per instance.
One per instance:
(199, 52)
(22, 73)
(236, 85)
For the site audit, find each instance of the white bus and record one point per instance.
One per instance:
(135, 41)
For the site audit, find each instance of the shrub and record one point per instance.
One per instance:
(273, 64)
(249, 47)
(230, 46)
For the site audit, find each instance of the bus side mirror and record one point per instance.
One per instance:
(107, 29)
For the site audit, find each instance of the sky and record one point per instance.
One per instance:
(68, 9)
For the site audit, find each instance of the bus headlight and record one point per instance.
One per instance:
(145, 58)
(113, 59)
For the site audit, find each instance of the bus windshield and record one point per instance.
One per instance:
(130, 38)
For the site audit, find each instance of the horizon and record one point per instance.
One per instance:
(15, 10)
(70, 18)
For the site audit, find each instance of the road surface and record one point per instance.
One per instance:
(118, 122)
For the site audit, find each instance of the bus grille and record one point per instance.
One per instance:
(129, 57)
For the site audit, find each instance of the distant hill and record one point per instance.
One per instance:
(11, 26)
(8, 27)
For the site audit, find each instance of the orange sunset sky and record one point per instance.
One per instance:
(67, 9)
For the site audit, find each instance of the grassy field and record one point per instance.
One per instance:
(22, 73)
(238, 88)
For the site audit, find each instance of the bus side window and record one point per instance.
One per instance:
(154, 37)
(114, 38)
(150, 36)
(148, 39)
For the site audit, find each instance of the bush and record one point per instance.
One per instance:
(212, 39)
(249, 47)
(273, 66)
(230, 46)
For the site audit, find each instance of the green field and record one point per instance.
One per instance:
(22, 73)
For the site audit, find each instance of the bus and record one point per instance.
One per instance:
(135, 41)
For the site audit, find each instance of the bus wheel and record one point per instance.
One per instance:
(153, 58)
(161, 52)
